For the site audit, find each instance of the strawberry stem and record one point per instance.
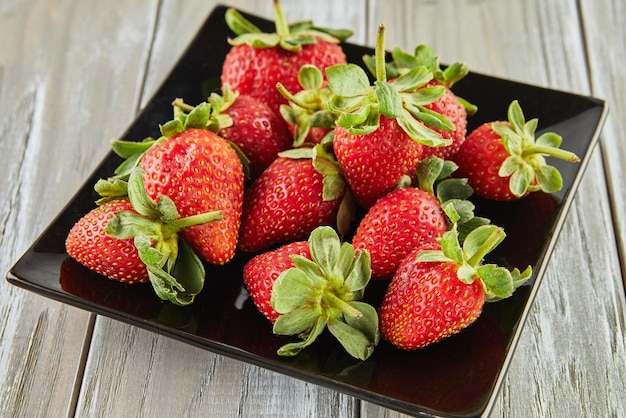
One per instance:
(381, 72)
(292, 98)
(194, 220)
(552, 152)
(330, 299)
(282, 28)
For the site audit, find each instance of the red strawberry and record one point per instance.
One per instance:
(398, 222)
(287, 201)
(258, 61)
(318, 292)
(452, 107)
(89, 244)
(260, 273)
(502, 160)
(380, 128)
(437, 293)
(373, 163)
(200, 172)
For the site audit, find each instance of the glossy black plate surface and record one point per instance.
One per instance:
(224, 320)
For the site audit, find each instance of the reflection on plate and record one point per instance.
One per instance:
(224, 320)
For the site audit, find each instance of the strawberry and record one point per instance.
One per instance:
(248, 123)
(290, 199)
(454, 108)
(380, 132)
(260, 273)
(322, 291)
(200, 172)
(258, 61)
(89, 244)
(503, 161)
(135, 239)
(410, 217)
(437, 293)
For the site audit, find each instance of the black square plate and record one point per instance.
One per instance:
(224, 320)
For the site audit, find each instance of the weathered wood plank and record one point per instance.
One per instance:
(606, 54)
(558, 362)
(64, 92)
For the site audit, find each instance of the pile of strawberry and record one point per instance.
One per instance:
(281, 162)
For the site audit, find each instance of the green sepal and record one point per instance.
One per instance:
(526, 164)
(348, 80)
(175, 271)
(110, 189)
(289, 37)
(321, 292)
(498, 282)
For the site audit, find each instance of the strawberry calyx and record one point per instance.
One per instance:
(424, 55)
(290, 37)
(325, 292)
(359, 104)
(307, 108)
(498, 282)
(526, 164)
(434, 176)
(175, 271)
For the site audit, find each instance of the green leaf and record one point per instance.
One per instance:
(189, 270)
(171, 128)
(139, 199)
(498, 281)
(367, 323)
(310, 77)
(239, 24)
(521, 179)
(310, 269)
(549, 139)
(451, 247)
(167, 209)
(324, 245)
(258, 40)
(422, 97)
(348, 80)
(549, 179)
(298, 320)
(291, 290)
(420, 133)
(360, 271)
(480, 242)
(125, 225)
(466, 274)
(432, 256)
(510, 165)
(350, 120)
(516, 116)
(198, 117)
(413, 79)
(292, 349)
(389, 100)
(126, 149)
(457, 189)
(354, 341)
(344, 261)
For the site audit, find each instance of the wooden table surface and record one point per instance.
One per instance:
(74, 74)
